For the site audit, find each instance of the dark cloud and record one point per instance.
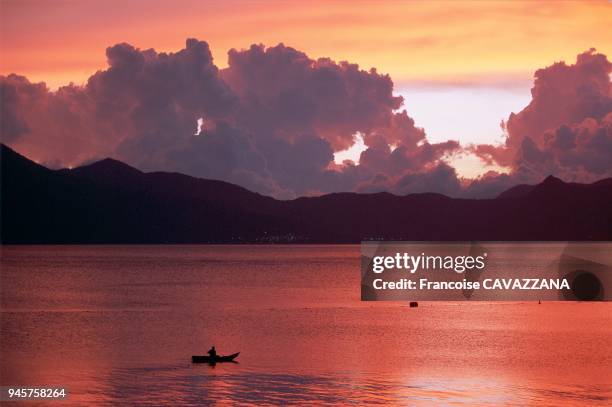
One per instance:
(441, 178)
(490, 184)
(15, 90)
(302, 110)
(283, 92)
(145, 104)
(273, 119)
(51, 127)
(565, 129)
(577, 152)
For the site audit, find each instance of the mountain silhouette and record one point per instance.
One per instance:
(110, 202)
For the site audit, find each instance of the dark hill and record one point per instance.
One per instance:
(111, 202)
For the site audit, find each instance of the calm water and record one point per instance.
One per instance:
(118, 324)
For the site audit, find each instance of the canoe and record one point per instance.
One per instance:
(217, 359)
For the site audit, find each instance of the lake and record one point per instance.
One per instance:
(118, 324)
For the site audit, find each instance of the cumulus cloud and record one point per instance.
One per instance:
(565, 130)
(143, 104)
(51, 127)
(273, 119)
(284, 92)
(301, 110)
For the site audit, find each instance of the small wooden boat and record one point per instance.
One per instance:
(216, 359)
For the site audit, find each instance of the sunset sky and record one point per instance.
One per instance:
(462, 67)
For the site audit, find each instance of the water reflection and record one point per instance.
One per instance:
(205, 384)
(119, 324)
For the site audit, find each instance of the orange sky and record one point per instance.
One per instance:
(480, 42)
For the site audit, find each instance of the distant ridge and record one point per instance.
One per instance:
(110, 202)
(105, 168)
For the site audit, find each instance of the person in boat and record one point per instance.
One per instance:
(212, 352)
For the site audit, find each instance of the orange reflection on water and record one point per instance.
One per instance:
(121, 323)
